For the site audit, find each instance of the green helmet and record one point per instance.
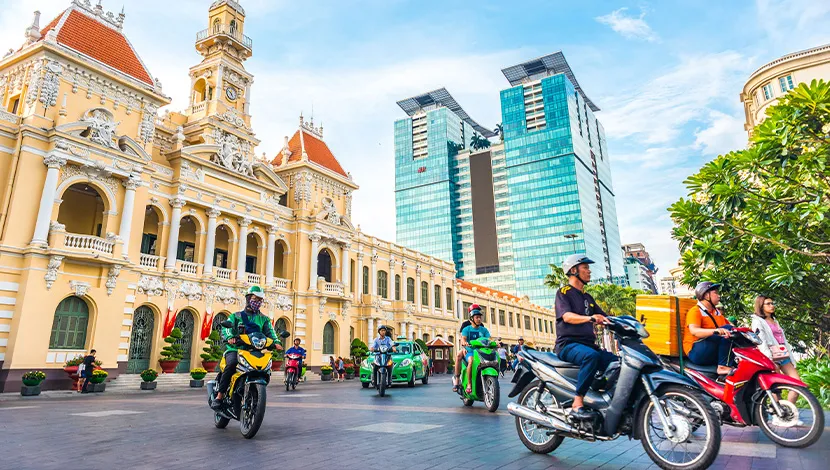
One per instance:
(255, 290)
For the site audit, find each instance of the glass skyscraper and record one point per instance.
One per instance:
(504, 214)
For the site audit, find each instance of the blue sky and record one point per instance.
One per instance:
(667, 76)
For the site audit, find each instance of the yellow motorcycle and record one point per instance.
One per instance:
(246, 393)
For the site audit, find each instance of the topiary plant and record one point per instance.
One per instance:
(213, 349)
(359, 350)
(173, 351)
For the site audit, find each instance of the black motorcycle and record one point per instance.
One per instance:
(382, 365)
(634, 397)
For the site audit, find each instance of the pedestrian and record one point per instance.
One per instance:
(502, 358)
(774, 343)
(341, 369)
(89, 366)
(431, 367)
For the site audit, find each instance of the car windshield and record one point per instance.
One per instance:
(404, 349)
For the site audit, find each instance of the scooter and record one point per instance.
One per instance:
(485, 375)
(634, 397)
(293, 372)
(382, 369)
(754, 394)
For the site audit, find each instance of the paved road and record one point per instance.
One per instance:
(323, 426)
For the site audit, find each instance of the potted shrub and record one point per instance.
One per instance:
(359, 350)
(349, 371)
(31, 383)
(277, 357)
(212, 352)
(98, 380)
(198, 377)
(171, 354)
(325, 372)
(148, 377)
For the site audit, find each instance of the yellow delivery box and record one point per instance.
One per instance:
(665, 318)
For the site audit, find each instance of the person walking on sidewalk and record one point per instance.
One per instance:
(89, 366)
(341, 369)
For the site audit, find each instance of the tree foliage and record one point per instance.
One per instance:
(173, 351)
(213, 349)
(477, 142)
(359, 350)
(614, 299)
(756, 220)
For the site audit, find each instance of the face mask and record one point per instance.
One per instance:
(254, 303)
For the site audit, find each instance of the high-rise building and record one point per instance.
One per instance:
(560, 195)
(638, 275)
(637, 251)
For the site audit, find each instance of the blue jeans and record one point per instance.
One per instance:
(712, 350)
(589, 359)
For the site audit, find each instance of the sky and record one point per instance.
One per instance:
(667, 76)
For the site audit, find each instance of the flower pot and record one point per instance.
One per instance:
(97, 380)
(210, 366)
(31, 383)
(30, 390)
(276, 365)
(97, 387)
(72, 372)
(349, 375)
(197, 383)
(148, 385)
(326, 378)
(168, 367)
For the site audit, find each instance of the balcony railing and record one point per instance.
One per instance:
(88, 242)
(223, 274)
(199, 107)
(150, 261)
(281, 283)
(186, 267)
(333, 288)
(252, 278)
(226, 30)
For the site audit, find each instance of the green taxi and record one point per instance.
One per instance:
(411, 364)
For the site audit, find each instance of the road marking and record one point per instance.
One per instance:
(17, 408)
(396, 428)
(101, 414)
(298, 395)
(745, 449)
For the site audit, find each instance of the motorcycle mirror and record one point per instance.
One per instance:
(285, 334)
(226, 324)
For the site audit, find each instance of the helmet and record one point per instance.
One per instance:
(474, 307)
(574, 261)
(256, 291)
(475, 312)
(704, 287)
(382, 327)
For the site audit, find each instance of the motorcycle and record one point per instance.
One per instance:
(245, 401)
(633, 397)
(382, 369)
(292, 371)
(484, 376)
(753, 395)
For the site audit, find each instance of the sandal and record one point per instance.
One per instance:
(469, 389)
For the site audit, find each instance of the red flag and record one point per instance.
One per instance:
(206, 324)
(169, 322)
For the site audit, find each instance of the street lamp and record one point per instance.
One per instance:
(572, 237)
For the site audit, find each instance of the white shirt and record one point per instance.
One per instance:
(502, 353)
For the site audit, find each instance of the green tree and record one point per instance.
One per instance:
(499, 131)
(615, 300)
(556, 278)
(359, 350)
(173, 351)
(477, 142)
(757, 220)
(422, 344)
(213, 348)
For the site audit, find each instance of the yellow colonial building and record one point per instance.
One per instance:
(114, 217)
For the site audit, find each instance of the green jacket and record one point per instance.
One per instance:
(258, 319)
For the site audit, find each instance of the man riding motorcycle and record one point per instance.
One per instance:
(576, 313)
(470, 333)
(253, 320)
(459, 356)
(381, 340)
(299, 350)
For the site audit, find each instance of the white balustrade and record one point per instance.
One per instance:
(88, 242)
(253, 278)
(223, 274)
(281, 283)
(149, 261)
(186, 267)
(334, 288)
(199, 107)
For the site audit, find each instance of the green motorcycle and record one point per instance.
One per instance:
(485, 375)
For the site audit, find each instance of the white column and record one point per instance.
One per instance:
(403, 329)
(312, 273)
(173, 240)
(431, 295)
(247, 106)
(344, 267)
(127, 213)
(443, 296)
(242, 249)
(269, 260)
(210, 246)
(371, 325)
(358, 289)
(373, 276)
(220, 81)
(47, 199)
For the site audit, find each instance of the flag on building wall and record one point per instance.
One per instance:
(169, 322)
(206, 324)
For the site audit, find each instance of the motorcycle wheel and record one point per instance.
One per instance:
(788, 432)
(468, 401)
(538, 439)
(665, 451)
(253, 411)
(382, 383)
(491, 393)
(289, 380)
(364, 384)
(220, 421)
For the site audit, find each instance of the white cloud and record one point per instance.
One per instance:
(798, 24)
(724, 134)
(630, 27)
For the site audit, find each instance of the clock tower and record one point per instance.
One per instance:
(220, 93)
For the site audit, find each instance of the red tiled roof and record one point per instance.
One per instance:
(317, 151)
(469, 286)
(439, 343)
(98, 41)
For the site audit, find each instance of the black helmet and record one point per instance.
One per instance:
(382, 327)
(704, 287)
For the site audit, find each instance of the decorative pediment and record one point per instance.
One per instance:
(329, 214)
(233, 153)
(129, 146)
(264, 172)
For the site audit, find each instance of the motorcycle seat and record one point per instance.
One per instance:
(710, 370)
(550, 359)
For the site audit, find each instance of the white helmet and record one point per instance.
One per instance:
(574, 261)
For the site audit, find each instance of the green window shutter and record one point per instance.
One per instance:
(70, 324)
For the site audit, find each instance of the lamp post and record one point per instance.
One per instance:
(572, 237)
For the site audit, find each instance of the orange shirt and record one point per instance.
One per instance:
(696, 317)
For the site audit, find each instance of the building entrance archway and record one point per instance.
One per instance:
(185, 322)
(141, 340)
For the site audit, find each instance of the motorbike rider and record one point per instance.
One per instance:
(576, 313)
(472, 332)
(297, 349)
(382, 340)
(515, 350)
(253, 321)
(459, 356)
(706, 336)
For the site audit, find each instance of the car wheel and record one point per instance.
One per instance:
(425, 380)
(411, 382)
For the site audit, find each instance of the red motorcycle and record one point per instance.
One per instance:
(292, 371)
(754, 394)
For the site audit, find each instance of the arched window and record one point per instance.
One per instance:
(217, 25)
(233, 27)
(324, 265)
(410, 289)
(397, 287)
(351, 334)
(383, 284)
(281, 326)
(328, 338)
(424, 293)
(70, 324)
(437, 292)
(449, 299)
(425, 337)
(366, 280)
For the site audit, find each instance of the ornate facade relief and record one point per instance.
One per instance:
(112, 278)
(234, 153)
(226, 295)
(148, 123)
(45, 83)
(301, 183)
(52, 270)
(409, 308)
(193, 173)
(94, 171)
(232, 117)
(323, 302)
(348, 196)
(79, 288)
(102, 127)
(190, 291)
(330, 212)
(151, 286)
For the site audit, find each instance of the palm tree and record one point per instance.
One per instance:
(556, 278)
(499, 131)
(614, 299)
(478, 142)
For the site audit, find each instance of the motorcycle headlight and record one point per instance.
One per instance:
(406, 362)
(258, 342)
(242, 363)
